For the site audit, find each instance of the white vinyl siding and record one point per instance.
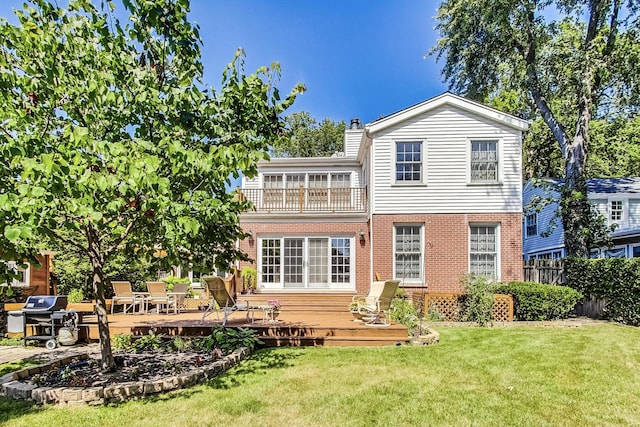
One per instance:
(634, 212)
(484, 250)
(446, 133)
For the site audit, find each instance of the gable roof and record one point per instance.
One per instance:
(446, 98)
(629, 185)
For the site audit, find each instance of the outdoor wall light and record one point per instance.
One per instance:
(361, 235)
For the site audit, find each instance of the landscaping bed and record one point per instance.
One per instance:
(77, 380)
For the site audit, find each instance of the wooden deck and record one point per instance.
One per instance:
(304, 320)
(291, 328)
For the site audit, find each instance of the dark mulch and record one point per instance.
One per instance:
(144, 366)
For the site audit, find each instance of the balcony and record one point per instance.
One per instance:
(307, 200)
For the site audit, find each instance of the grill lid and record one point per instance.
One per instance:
(45, 303)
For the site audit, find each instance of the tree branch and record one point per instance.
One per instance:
(6, 132)
(54, 234)
(529, 55)
(121, 238)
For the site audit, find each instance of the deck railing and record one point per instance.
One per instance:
(307, 199)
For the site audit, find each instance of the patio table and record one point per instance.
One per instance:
(142, 297)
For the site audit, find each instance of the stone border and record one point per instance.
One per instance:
(12, 387)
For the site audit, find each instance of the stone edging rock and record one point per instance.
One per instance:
(11, 385)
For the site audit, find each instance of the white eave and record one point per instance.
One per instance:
(446, 99)
(304, 162)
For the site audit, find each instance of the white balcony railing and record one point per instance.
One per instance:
(307, 199)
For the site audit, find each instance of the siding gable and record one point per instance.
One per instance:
(446, 133)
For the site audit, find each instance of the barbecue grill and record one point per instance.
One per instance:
(45, 315)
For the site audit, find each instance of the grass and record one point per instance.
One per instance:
(5, 368)
(587, 376)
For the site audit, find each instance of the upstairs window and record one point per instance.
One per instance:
(532, 225)
(408, 162)
(484, 161)
(615, 210)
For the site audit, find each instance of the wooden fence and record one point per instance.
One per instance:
(549, 271)
(552, 271)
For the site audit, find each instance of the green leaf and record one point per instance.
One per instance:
(12, 234)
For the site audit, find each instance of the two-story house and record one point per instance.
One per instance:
(617, 199)
(425, 195)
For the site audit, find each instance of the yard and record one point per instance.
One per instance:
(476, 376)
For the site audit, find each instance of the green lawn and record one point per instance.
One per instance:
(587, 376)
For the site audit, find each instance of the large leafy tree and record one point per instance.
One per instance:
(305, 137)
(110, 143)
(571, 69)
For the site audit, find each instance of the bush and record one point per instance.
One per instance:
(171, 281)
(538, 301)
(478, 301)
(75, 296)
(616, 280)
(403, 311)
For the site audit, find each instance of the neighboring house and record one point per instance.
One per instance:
(425, 195)
(34, 280)
(617, 199)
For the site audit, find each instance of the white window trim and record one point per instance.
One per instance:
(423, 162)
(498, 245)
(526, 225)
(397, 274)
(623, 215)
(280, 285)
(27, 275)
(499, 150)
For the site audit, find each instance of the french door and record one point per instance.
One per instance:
(306, 263)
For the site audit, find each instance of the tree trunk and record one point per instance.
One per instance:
(574, 207)
(97, 262)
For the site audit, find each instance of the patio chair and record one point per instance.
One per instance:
(158, 296)
(221, 300)
(374, 306)
(123, 295)
(180, 292)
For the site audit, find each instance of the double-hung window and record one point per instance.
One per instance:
(532, 225)
(409, 158)
(484, 162)
(616, 211)
(483, 250)
(408, 252)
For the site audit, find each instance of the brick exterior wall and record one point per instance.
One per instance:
(305, 229)
(446, 237)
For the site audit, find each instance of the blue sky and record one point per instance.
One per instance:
(357, 58)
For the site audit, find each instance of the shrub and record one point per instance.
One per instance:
(616, 280)
(75, 296)
(171, 281)
(403, 311)
(478, 301)
(538, 301)
(229, 339)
